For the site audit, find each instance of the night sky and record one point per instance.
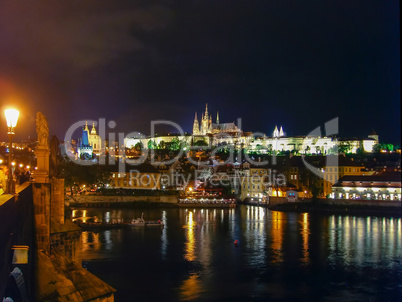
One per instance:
(291, 63)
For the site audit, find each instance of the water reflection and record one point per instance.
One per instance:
(90, 241)
(277, 225)
(305, 232)
(364, 241)
(164, 238)
(190, 242)
(276, 250)
(190, 287)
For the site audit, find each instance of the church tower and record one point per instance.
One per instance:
(217, 117)
(196, 126)
(281, 133)
(276, 132)
(93, 130)
(205, 122)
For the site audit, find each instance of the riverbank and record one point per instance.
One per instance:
(387, 208)
(96, 201)
(330, 206)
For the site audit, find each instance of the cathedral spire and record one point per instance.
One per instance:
(206, 110)
(281, 133)
(86, 126)
(217, 117)
(196, 127)
(276, 132)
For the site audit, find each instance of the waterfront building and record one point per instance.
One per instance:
(254, 183)
(379, 186)
(331, 171)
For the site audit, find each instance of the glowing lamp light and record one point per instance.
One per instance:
(21, 165)
(20, 255)
(12, 117)
(13, 163)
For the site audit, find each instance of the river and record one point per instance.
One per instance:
(278, 256)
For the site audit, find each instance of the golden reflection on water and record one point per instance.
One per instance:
(90, 241)
(190, 242)
(277, 236)
(305, 231)
(191, 287)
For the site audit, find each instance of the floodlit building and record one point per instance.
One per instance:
(254, 183)
(380, 186)
(208, 127)
(331, 169)
(90, 142)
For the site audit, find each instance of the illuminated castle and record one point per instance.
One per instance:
(208, 127)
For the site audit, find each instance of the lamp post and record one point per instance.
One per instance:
(12, 118)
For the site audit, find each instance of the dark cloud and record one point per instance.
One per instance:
(269, 62)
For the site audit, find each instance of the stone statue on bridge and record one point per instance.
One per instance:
(41, 174)
(42, 130)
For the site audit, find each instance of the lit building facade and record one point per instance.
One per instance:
(297, 174)
(381, 186)
(310, 144)
(208, 127)
(253, 184)
(221, 134)
(90, 142)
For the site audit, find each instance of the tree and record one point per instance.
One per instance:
(162, 145)
(151, 144)
(377, 148)
(201, 143)
(390, 147)
(344, 147)
(139, 146)
(75, 174)
(175, 144)
(269, 149)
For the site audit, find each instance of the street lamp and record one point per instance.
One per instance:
(12, 118)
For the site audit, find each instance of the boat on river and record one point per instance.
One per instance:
(140, 222)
